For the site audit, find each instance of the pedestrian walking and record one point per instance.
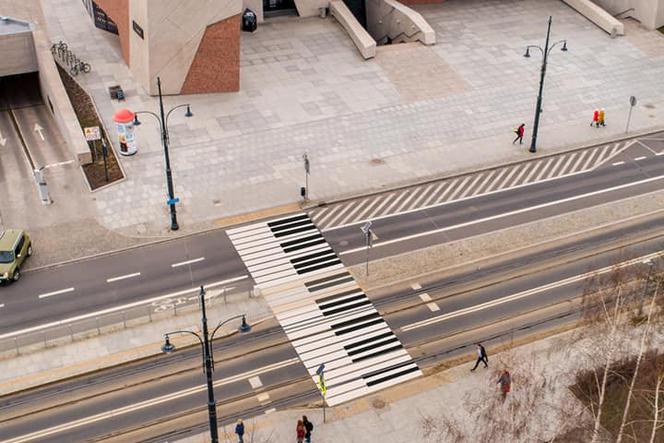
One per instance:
(595, 121)
(300, 431)
(481, 357)
(600, 118)
(519, 133)
(239, 430)
(505, 382)
(308, 429)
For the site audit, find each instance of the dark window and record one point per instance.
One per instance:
(19, 245)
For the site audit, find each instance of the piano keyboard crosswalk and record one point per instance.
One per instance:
(325, 314)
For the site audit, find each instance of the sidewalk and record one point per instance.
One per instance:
(412, 112)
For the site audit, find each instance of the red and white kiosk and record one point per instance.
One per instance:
(124, 122)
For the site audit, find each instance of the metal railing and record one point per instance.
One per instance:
(82, 329)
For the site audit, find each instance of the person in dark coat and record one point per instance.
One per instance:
(505, 382)
(519, 133)
(239, 430)
(481, 357)
(308, 428)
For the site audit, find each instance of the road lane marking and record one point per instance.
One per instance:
(427, 298)
(188, 262)
(2, 305)
(270, 411)
(415, 286)
(618, 163)
(122, 277)
(50, 294)
(523, 294)
(147, 403)
(263, 398)
(640, 158)
(118, 308)
(255, 382)
(503, 215)
(660, 153)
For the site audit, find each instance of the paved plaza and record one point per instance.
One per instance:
(413, 112)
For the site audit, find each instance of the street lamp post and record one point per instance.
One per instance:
(205, 340)
(545, 54)
(163, 127)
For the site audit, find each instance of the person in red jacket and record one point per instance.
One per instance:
(300, 431)
(519, 133)
(505, 382)
(595, 118)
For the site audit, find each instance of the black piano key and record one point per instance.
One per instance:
(391, 376)
(361, 326)
(377, 353)
(293, 231)
(300, 240)
(340, 302)
(304, 245)
(346, 308)
(368, 340)
(290, 226)
(312, 256)
(287, 220)
(373, 346)
(317, 267)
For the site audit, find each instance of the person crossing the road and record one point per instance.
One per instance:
(300, 431)
(481, 357)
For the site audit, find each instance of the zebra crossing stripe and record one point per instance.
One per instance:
(323, 312)
(466, 186)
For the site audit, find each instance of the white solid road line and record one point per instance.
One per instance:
(519, 295)
(147, 403)
(506, 214)
(118, 308)
(61, 291)
(618, 163)
(640, 158)
(122, 277)
(188, 262)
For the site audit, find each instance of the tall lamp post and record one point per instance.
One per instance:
(205, 340)
(545, 54)
(163, 127)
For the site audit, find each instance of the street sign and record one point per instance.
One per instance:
(92, 133)
(172, 201)
(366, 228)
(307, 166)
(632, 101)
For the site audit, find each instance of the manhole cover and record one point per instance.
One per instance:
(377, 162)
(378, 403)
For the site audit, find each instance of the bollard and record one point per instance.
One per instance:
(150, 314)
(97, 322)
(124, 319)
(71, 333)
(18, 352)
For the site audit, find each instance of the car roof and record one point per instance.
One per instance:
(8, 239)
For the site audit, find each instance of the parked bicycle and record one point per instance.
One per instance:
(80, 66)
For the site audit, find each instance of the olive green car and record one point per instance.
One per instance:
(15, 247)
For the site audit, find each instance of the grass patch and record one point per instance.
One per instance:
(87, 116)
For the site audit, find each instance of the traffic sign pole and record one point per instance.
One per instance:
(632, 103)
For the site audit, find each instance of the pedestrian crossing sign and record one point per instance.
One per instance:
(321, 384)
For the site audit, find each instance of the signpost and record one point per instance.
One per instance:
(321, 385)
(307, 170)
(366, 230)
(632, 103)
(92, 134)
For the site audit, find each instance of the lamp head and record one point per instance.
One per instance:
(527, 54)
(564, 48)
(188, 113)
(137, 122)
(167, 347)
(244, 326)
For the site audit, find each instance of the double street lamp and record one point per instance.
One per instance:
(163, 127)
(205, 340)
(545, 53)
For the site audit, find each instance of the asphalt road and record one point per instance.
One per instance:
(87, 287)
(256, 372)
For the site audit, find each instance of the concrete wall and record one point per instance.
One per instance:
(649, 12)
(598, 16)
(363, 41)
(392, 21)
(118, 11)
(18, 53)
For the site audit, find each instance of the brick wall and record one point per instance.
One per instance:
(216, 65)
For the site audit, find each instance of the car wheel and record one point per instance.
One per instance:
(29, 250)
(17, 274)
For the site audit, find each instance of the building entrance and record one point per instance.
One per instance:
(272, 8)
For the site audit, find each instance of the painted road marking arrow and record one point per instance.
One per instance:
(3, 140)
(38, 129)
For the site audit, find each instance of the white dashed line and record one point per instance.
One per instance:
(270, 411)
(263, 398)
(255, 382)
(415, 286)
(188, 262)
(425, 297)
(122, 277)
(2, 306)
(640, 158)
(618, 163)
(432, 306)
(62, 291)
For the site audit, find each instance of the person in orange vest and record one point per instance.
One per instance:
(595, 118)
(600, 120)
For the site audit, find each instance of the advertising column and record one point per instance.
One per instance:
(124, 122)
